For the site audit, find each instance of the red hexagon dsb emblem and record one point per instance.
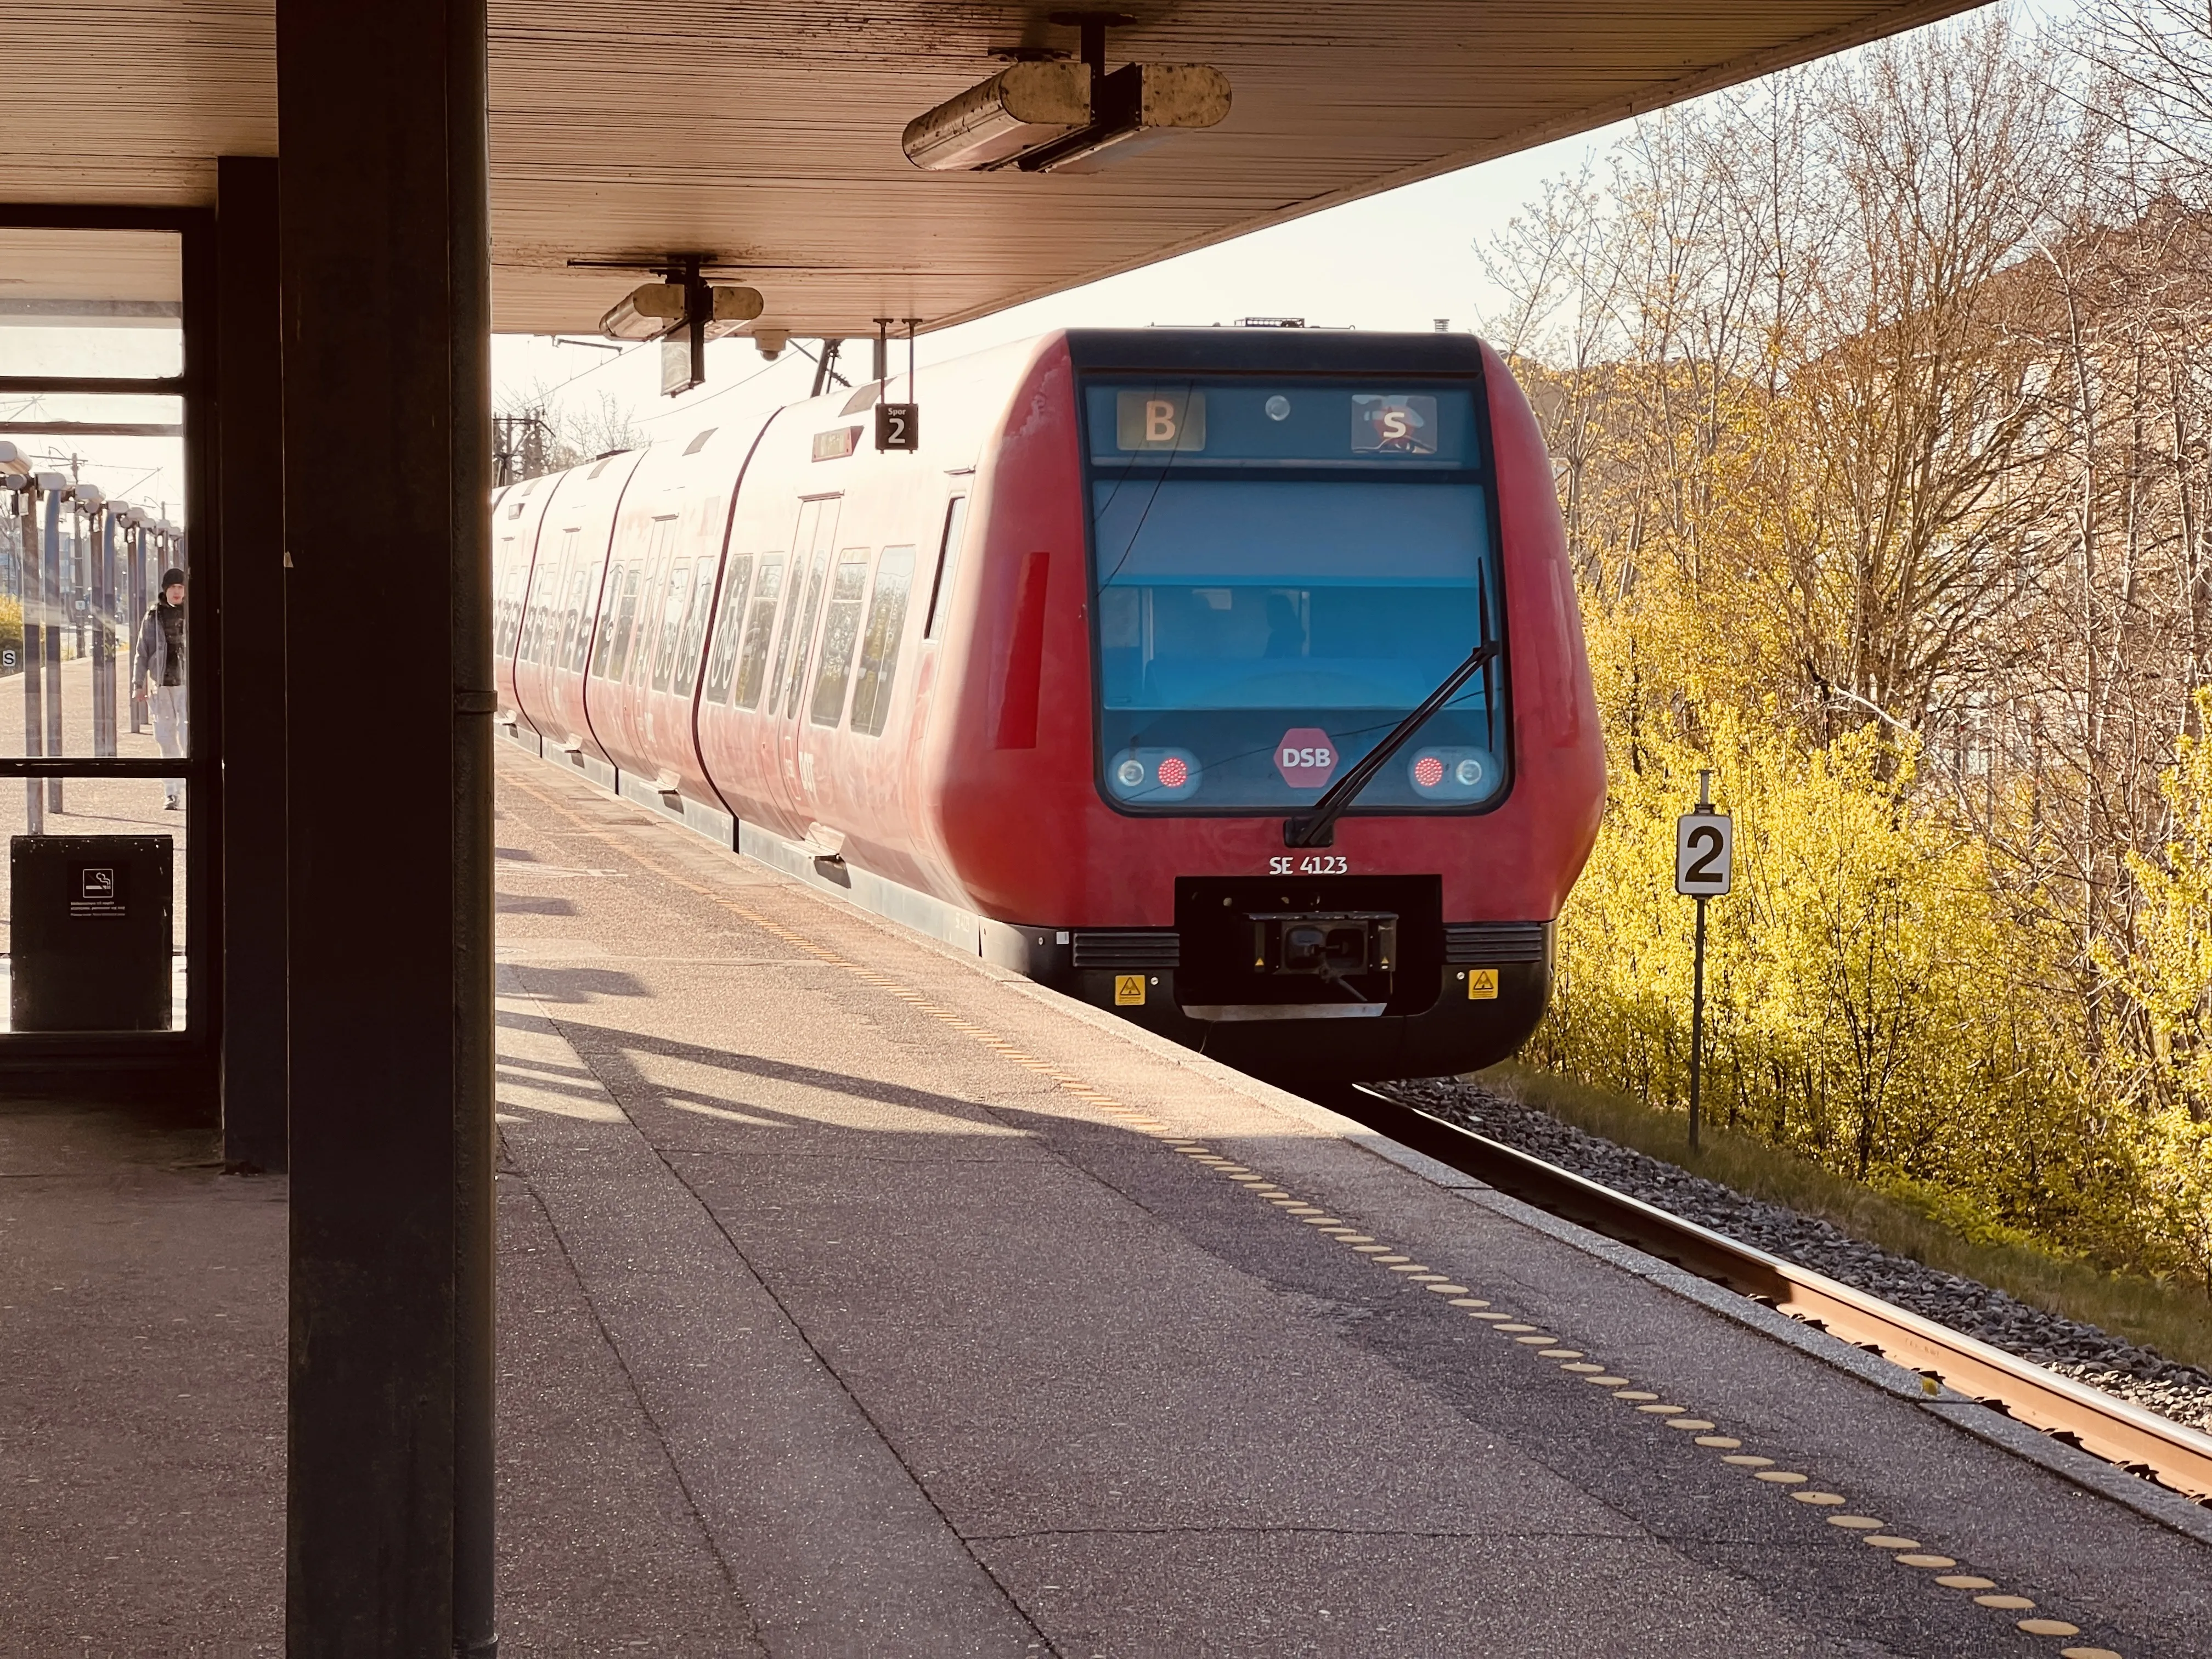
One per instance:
(1305, 757)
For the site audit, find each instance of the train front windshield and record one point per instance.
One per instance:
(1284, 570)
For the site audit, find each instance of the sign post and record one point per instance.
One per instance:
(1705, 868)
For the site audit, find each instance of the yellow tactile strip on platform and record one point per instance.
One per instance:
(1905, 1551)
(1543, 1345)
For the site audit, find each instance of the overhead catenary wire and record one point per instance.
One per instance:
(686, 408)
(603, 363)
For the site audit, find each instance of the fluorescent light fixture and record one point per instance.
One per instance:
(648, 311)
(733, 306)
(1021, 107)
(645, 312)
(1138, 106)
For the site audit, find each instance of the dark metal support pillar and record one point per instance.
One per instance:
(32, 591)
(249, 444)
(141, 538)
(385, 281)
(55, 592)
(103, 636)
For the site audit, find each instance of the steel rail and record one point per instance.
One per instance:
(2141, 1442)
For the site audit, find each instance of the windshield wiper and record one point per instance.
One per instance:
(1318, 827)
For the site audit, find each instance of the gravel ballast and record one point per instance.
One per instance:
(2138, 1375)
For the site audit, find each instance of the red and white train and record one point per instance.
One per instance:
(1231, 679)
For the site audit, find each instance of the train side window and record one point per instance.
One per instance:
(610, 592)
(541, 641)
(533, 612)
(542, 614)
(510, 573)
(948, 564)
(644, 646)
(802, 545)
(800, 627)
(760, 628)
(879, 647)
(722, 662)
(695, 630)
(838, 633)
(560, 616)
(625, 615)
(584, 584)
(560, 630)
(676, 595)
(544, 644)
(507, 585)
(576, 622)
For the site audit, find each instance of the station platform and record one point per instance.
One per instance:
(858, 1299)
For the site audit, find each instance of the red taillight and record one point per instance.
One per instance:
(1174, 773)
(1428, 771)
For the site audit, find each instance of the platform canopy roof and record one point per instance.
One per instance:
(766, 133)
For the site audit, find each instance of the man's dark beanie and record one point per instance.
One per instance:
(170, 579)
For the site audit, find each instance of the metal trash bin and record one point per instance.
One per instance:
(91, 935)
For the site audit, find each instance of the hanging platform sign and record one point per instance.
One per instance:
(898, 426)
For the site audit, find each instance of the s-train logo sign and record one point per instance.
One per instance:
(1305, 757)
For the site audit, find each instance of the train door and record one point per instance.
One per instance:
(816, 534)
(562, 604)
(538, 628)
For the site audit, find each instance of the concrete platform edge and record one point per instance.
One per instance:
(2081, 1469)
(1969, 1416)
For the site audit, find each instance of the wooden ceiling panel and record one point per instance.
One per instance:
(760, 132)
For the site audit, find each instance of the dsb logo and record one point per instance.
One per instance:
(1305, 757)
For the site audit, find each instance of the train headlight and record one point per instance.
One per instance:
(1452, 773)
(1150, 777)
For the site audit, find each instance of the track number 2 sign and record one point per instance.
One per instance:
(1704, 854)
(898, 426)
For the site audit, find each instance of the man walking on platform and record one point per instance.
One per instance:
(160, 658)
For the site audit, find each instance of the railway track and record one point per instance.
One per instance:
(2138, 1441)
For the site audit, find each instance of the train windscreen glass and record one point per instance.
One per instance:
(1283, 571)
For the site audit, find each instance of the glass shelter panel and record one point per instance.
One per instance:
(92, 912)
(94, 646)
(106, 303)
(97, 651)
